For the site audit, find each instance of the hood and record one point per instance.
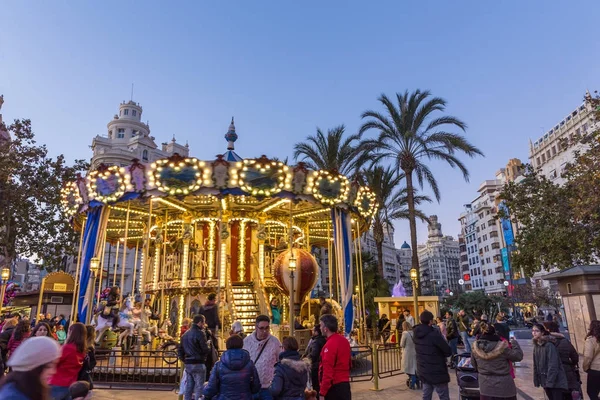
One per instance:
(235, 359)
(422, 330)
(557, 335)
(209, 306)
(544, 339)
(295, 369)
(488, 350)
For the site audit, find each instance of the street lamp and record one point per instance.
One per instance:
(4, 274)
(414, 275)
(94, 267)
(292, 267)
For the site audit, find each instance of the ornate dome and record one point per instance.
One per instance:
(405, 245)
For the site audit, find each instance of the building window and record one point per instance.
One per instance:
(120, 133)
(553, 151)
(495, 245)
(145, 155)
(537, 161)
(133, 112)
(543, 158)
(126, 111)
(134, 133)
(553, 174)
(569, 289)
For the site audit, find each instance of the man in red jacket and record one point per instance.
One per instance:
(334, 370)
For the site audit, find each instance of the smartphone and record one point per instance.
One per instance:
(511, 335)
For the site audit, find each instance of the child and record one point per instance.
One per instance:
(80, 390)
(185, 325)
(291, 373)
(61, 334)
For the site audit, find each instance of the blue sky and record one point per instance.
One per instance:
(282, 68)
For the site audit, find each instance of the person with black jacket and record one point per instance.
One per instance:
(313, 353)
(210, 310)
(452, 332)
(432, 350)
(291, 373)
(89, 362)
(568, 356)
(7, 331)
(193, 351)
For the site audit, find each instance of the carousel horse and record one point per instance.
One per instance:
(125, 322)
(163, 331)
(145, 329)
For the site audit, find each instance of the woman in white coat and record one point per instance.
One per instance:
(409, 355)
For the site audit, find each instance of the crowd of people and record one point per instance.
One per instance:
(492, 352)
(52, 361)
(259, 366)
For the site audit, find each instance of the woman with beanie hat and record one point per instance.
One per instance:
(32, 365)
(70, 362)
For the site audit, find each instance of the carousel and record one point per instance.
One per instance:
(244, 229)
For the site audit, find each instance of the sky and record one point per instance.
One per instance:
(509, 69)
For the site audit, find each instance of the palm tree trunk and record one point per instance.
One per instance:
(378, 237)
(412, 220)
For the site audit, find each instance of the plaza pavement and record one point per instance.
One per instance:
(392, 388)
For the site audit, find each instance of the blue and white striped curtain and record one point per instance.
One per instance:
(95, 225)
(342, 239)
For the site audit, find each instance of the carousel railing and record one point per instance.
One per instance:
(135, 369)
(261, 294)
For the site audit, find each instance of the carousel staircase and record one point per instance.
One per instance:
(245, 305)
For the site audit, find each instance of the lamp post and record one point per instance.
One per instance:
(413, 277)
(292, 267)
(94, 266)
(4, 274)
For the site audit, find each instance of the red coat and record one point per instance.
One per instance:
(335, 362)
(14, 343)
(68, 367)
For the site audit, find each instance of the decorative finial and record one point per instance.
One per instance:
(173, 140)
(231, 136)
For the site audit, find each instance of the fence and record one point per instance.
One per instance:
(140, 369)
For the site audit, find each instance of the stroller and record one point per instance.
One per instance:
(466, 377)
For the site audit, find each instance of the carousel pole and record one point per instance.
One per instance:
(103, 251)
(307, 241)
(164, 263)
(329, 256)
(146, 251)
(116, 263)
(357, 266)
(124, 259)
(73, 318)
(362, 282)
(135, 262)
(292, 267)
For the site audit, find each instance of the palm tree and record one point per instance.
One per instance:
(392, 203)
(330, 152)
(410, 136)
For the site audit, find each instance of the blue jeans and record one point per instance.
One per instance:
(59, 393)
(465, 338)
(195, 381)
(441, 389)
(264, 394)
(453, 345)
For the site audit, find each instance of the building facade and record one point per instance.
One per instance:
(550, 154)
(128, 138)
(404, 260)
(391, 268)
(481, 231)
(439, 261)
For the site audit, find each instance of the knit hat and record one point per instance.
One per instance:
(484, 317)
(34, 352)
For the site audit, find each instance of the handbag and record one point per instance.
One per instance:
(309, 393)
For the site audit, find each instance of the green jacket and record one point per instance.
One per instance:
(463, 323)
